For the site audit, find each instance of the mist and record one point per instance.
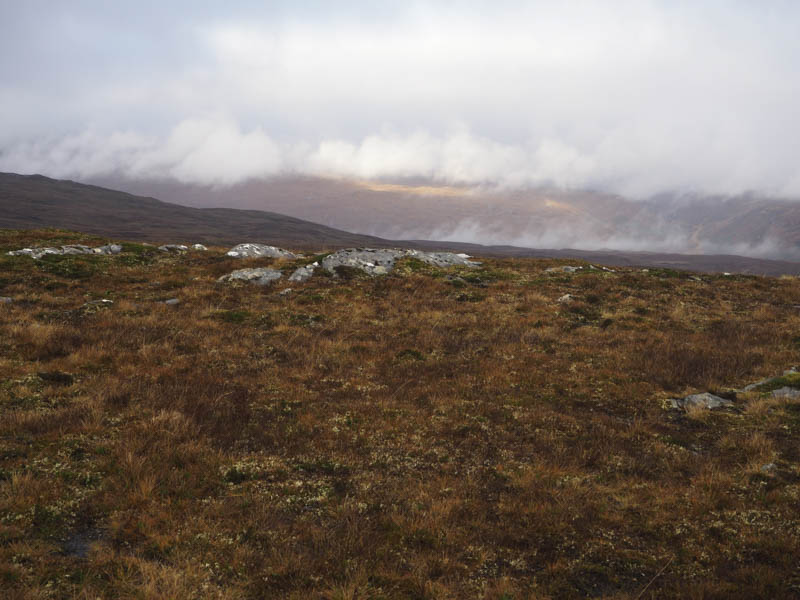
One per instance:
(634, 98)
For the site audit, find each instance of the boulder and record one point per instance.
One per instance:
(443, 259)
(258, 251)
(302, 274)
(259, 276)
(704, 400)
(108, 249)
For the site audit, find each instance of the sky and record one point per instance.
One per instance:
(631, 97)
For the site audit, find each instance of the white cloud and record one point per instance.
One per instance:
(635, 97)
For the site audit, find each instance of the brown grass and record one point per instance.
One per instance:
(402, 437)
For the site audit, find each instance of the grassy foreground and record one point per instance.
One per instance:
(428, 434)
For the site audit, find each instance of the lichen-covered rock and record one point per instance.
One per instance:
(258, 251)
(375, 261)
(302, 274)
(259, 276)
(108, 249)
(704, 400)
(179, 248)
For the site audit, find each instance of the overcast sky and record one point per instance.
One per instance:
(636, 97)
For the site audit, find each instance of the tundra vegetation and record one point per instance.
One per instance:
(430, 433)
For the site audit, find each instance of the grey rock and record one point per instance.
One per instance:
(172, 301)
(6, 300)
(566, 299)
(374, 261)
(259, 276)
(199, 247)
(443, 259)
(173, 248)
(769, 468)
(704, 400)
(69, 249)
(108, 249)
(285, 292)
(259, 250)
(786, 392)
(565, 269)
(302, 274)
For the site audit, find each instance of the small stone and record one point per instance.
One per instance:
(285, 292)
(566, 299)
(199, 247)
(769, 468)
(704, 400)
(179, 248)
(172, 301)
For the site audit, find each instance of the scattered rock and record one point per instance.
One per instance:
(285, 292)
(302, 274)
(178, 248)
(259, 276)
(381, 261)
(769, 468)
(70, 249)
(566, 299)
(259, 250)
(172, 301)
(704, 400)
(199, 247)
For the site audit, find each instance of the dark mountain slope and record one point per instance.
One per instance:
(36, 201)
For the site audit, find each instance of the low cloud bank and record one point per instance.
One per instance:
(219, 152)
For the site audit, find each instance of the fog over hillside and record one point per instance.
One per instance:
(651, 101)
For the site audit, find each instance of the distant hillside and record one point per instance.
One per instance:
(34, 201)
(534, 218)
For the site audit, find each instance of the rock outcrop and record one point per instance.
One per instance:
(178, 248)
(259, 276)
(258, 251)
(70, 249)
(381, 261)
